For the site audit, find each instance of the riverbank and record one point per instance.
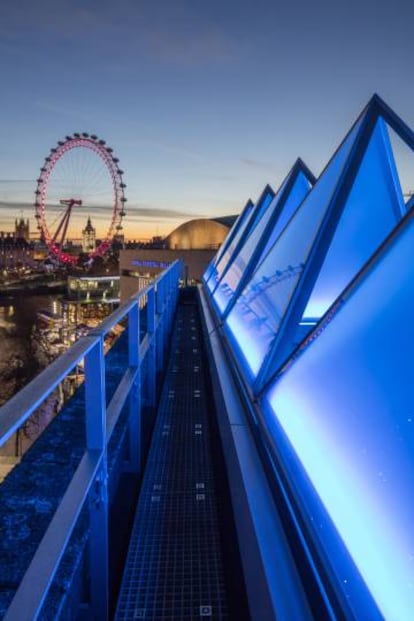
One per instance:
(19, 361)
(31, 287)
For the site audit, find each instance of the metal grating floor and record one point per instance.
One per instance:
(174, 569)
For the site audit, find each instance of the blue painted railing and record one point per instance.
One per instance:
(89, 482)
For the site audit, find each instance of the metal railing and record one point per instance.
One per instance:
(89, 482)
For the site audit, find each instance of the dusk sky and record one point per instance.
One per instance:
(203, 102)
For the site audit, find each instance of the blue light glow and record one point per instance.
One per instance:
(374, 206)
(229, 237)
(258, 237)
(156, 264)
(228, 283)
(346, 406)
(233, 247)
(298, 193)
(254, 320)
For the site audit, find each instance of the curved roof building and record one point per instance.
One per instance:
(200, 234)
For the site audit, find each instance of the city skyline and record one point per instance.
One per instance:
(203, 103)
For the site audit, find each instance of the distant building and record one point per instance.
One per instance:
(195, 242)
(15, 252)
(201, 234)
(21, 229)
(140, 266)
(97, 289)
(88, 237)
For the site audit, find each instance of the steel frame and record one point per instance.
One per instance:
(239, 222)
(374, 110)
(246, 226)
(298, 167)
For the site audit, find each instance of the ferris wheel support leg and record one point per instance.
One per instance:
(65, 228)
(61, 224)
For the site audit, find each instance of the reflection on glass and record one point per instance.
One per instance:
(249, 224)
(346, 407)
(238, 224)
(255, 318)
(228, 284)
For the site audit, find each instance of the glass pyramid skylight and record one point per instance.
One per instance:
(345, 408)
(289, 196)
(243, 231)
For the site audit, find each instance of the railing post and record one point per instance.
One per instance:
(178, 270)
(98, 503)
(135, 394)
(152, 371)
(160, 324)
(167, 321)
(90, 487)
(172, 285)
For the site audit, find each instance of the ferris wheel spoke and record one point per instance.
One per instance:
(96, 178)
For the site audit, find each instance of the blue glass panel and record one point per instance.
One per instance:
(234, 245)
(374, 206)
(228, 284)
(238, 224)
(254, 320)
(346, 408)
(299, 191)
(225, 289)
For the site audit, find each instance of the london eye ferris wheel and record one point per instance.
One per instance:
(80, 185)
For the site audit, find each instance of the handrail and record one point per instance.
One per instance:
(50, 551)
(100, 419)
(15, 412)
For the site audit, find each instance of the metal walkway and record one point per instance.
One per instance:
(175, 569)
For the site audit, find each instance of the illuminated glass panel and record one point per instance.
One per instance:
(299, 191)
(374, 206)
(230, 280)
(232, 249)
(238, 223)
(254, 320)
(346, 408)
